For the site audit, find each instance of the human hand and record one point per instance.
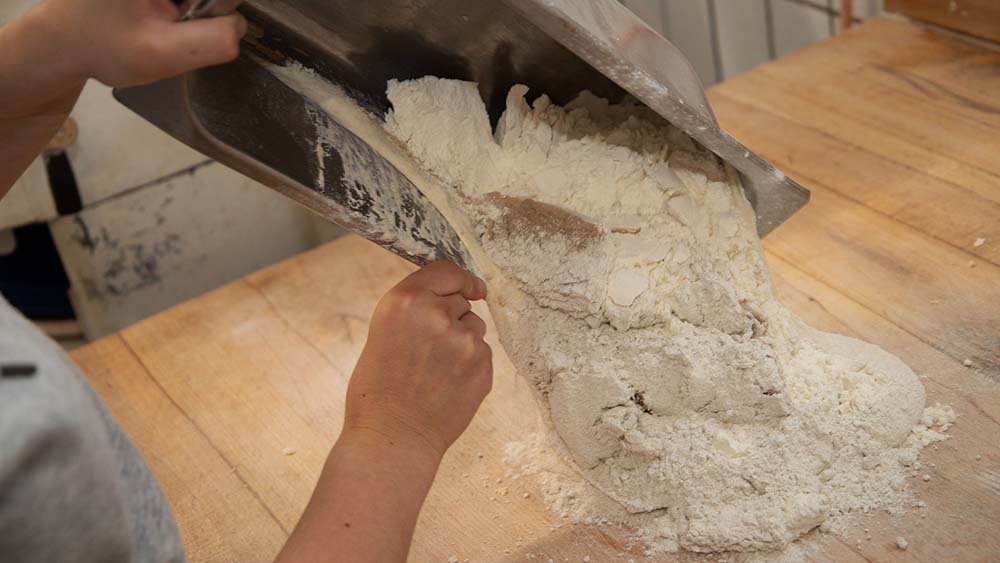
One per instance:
(425, 368)
(129, 42)
(420, 379)
(49, 53)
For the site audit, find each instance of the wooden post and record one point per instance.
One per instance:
(846, 14)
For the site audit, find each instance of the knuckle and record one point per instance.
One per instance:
(231, 48)
(471, 340)
(443, 266)
(231, 45)
(404, 298)
(447, 270)
(144, 56)
(153, 49)
(439, 315)
(397, 303)
(486, 351)
(464, 342)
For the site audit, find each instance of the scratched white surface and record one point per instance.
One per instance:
(134, 255)
(740, 38)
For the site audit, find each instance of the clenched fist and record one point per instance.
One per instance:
(425, 368)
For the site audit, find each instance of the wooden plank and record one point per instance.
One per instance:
(460, 518)
(254, 387)
(908, 261)
(219, 517)
(443, 515)
(976, 17)
(924, 284)
(887, 230)
(916, 85)
(337, 329)
(262, 365)
(258, 366)
(822, 107)
(474, 505)
(915, 281)
(827, 309)
(881, 172)
(960, 496)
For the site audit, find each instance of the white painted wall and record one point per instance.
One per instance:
(116, 150)
(723, 38)
(29, 199)
(743, 41)
(136, 254)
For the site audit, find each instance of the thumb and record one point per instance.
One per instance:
(202, 42)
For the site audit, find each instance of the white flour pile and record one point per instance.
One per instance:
(638, 303)
(629, 287)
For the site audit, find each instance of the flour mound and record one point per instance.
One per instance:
(629, 287)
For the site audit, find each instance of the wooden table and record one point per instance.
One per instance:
(895, 129)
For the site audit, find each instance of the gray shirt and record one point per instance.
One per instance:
(73, 487)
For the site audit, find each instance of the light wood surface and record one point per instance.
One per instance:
(896, 130)
(976, 17)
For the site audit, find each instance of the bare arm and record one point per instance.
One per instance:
(47, 55)
(366, 502)
(423, 373)
(30, 64)
(425, 368)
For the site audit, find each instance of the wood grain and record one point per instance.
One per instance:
(976, 17)
(904, 177)
(220, 517)
(891, 229)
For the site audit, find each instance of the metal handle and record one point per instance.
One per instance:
(207, 8)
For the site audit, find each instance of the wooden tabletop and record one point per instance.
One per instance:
(895, 129)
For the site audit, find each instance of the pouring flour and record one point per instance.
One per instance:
(629, 287)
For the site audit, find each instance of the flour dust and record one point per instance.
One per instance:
(631, 290)
(682, 399)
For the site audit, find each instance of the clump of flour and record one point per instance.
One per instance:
(629, 287)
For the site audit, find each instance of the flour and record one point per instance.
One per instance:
(697, 408)
(629, 287)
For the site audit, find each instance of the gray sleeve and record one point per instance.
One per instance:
(72, 485)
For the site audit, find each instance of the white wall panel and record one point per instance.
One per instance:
(742, 34)
(723, 38)
(797, 25)
(141, 252)
(688, 27)
(651, 12)
(29, 200)
(116, 149)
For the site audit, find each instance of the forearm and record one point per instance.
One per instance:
(366, 502)
(41, 84)
(422, 375)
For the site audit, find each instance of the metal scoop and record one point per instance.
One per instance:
(244, 117)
